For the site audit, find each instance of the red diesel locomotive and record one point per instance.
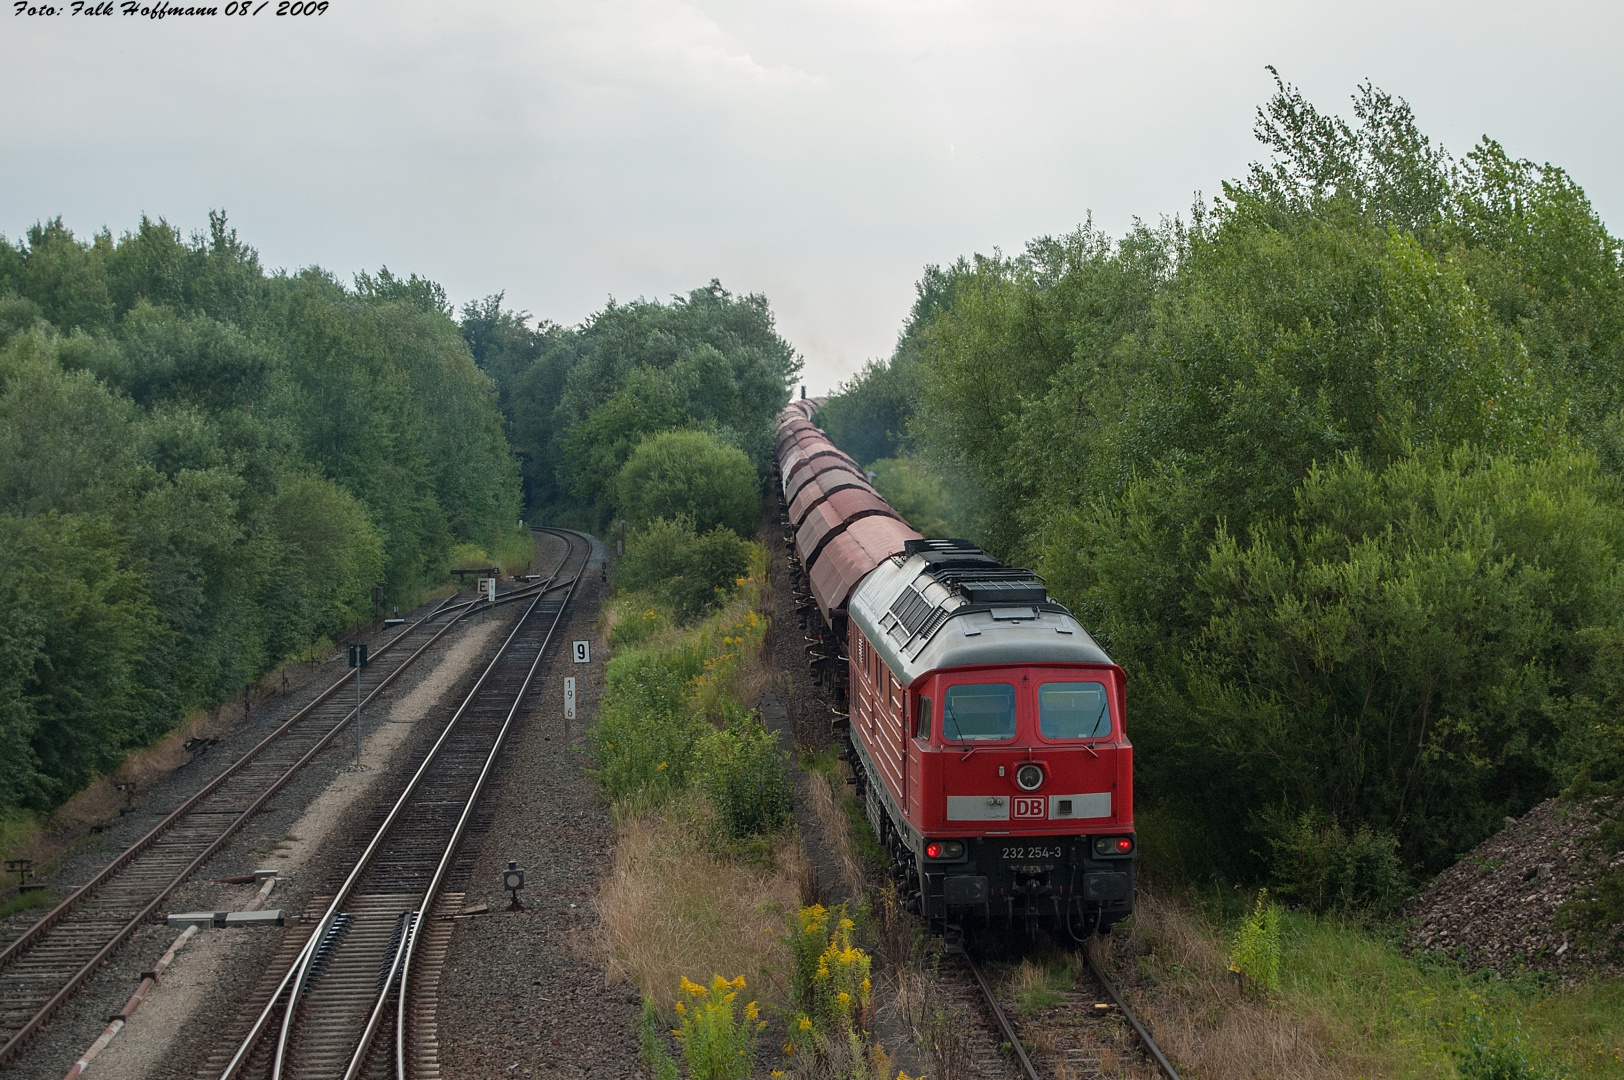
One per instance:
(985, 725)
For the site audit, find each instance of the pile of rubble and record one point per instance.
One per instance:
(1496, 908)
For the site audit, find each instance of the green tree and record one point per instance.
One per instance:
(211, 467)
(1331, 467)
(690, 474)
(686, 569)
(579, 400)
(77, 632)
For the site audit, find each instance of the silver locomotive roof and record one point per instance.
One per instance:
(946, 603)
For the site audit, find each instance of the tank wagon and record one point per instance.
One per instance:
(984, 726)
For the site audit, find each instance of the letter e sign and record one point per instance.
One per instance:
(583, 652)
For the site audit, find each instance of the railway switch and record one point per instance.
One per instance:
(513, 881)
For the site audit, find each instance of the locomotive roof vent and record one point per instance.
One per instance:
(949, 553)
(1003, 592)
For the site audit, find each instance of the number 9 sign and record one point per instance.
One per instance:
(583, 652)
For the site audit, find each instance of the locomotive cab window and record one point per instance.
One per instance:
(1073, 710)
(979, 711)
(922, 719)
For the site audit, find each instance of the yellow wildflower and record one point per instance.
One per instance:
(681, 1009)
(751, 1011)
(843, 998)
(661, 766)
(806, 1025)
(693, 989)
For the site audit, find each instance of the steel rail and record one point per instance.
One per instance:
(1139, 1029)
(409, 943)
(293, 981)
(999, 1015)
(301, 966)
(53, 918)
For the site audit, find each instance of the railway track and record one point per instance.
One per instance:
(43, 968)
(1081, 1038)
(356, 997)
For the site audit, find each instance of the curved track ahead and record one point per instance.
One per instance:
(53, 958)
(339, 1010)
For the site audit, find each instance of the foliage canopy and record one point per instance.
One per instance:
(204, 469)
(1331, 467)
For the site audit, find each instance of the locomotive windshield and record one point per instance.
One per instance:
(1073, 710)
(979, 711)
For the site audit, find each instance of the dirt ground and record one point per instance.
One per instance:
(523, 994)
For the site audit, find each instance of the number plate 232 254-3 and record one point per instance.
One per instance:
(1018, 854)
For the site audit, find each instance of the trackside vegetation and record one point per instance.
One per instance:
(702, 911)
(207, 468)
(580, 402)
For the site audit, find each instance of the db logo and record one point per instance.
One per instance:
(1030, 808)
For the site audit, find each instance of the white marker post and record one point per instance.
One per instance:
(569, 698)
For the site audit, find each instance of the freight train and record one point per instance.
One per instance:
(983, 725)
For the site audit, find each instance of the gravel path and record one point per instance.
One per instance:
(1496, 908)
(523, 994)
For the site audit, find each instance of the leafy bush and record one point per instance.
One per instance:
(1489, 1053)
(690, 572)
(648, 725)
(743, 775)
(1254, 953)
(638, 620)
(467, 557)
(1320, 866)
(920, 495)
(689, 474)
(717, 1043)
(663, 696)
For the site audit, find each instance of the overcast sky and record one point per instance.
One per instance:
(819, 152)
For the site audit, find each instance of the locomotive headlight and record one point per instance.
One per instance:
(944, 849)
(1113, 845)
(1029, 777)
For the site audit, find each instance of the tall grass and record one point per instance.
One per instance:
(691, 773)
(1349, 1003)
